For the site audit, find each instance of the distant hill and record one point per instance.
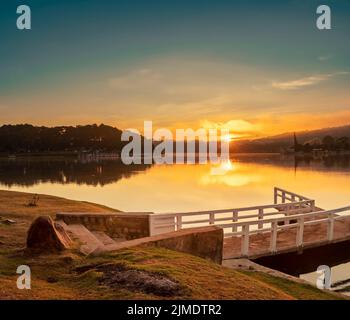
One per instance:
(285, 140)
(26, 138)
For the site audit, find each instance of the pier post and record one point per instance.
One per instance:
(273, 241)
(151, 225)
(261, 217)
(275, 200)
(245, 239)
(330, 227)
(211, 218)
(300, 232)
(283, 197)
(234, 219)
(313, 205)
(178, 222)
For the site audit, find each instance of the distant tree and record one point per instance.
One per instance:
(27, 138)
(315, 142)
(342, 143)
(328, 142)
(307, 147)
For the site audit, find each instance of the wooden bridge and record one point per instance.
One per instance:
(292, 223)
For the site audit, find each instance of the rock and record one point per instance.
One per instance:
(44, 235)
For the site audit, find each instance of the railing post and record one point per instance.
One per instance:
(151, 225)
(312, 205)
(300, 232)
(245, 240)
(234, 219)
(283, 197)
(178, 222)
(211, 218)
(275, 195)
(261, 217)
(330, 227)
(287, 221)
(288, 208)
(273, 240)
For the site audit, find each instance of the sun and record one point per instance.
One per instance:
(227, 138)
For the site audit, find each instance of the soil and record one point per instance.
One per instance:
(118, 276)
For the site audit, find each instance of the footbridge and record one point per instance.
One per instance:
(292, 223)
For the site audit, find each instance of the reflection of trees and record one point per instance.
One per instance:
(336, 163)
(332, 162)
(28, 172)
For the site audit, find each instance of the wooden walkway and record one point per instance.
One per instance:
(291, 223)
(260, 244)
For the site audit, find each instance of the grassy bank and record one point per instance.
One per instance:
(72, 276)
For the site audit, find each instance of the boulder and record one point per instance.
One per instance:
(43, 234)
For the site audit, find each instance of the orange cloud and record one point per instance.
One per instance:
(307, 81)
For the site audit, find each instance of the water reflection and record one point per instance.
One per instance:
(29, 172)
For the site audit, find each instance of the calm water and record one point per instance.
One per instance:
(247, 180)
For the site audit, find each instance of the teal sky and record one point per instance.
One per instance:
(178, 63)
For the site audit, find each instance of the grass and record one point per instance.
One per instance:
(57, 276)
(296, 290)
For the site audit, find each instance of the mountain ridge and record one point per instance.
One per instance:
(285, 140)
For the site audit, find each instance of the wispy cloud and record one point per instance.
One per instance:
(136, 79)
(307, 81)
(324, 58)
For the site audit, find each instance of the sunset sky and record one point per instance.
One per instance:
(259, 67)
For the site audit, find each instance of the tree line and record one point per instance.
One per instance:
(26, 138)
(328, 143)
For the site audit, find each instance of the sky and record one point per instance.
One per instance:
(257, 67)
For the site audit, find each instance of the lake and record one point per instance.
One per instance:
(247, 180)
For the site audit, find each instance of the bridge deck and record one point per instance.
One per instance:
(293, 222)
(259, 244)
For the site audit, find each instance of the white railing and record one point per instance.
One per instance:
(167, 222)
(282, 223)
(294, 211)
(287, 196)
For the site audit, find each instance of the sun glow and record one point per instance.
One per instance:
(226, 165)
(222, 168)
(229, 174)
(227, 138)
